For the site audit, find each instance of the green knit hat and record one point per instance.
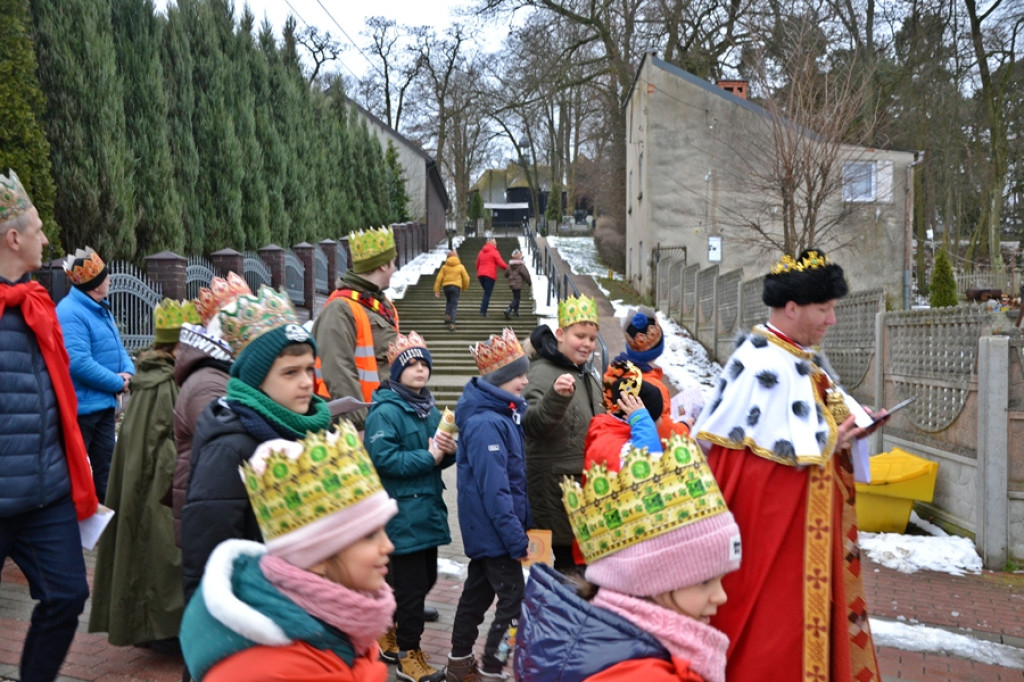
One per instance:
(258, 328)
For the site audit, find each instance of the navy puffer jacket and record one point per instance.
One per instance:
(563, 638)
(33, 467)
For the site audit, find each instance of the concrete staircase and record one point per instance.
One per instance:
(453, 364)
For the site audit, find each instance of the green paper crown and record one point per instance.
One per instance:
(651, 495)
(172, 314)
(573, 310)
(13, 198)
(364, 245)
(308, 480)
(249, 317)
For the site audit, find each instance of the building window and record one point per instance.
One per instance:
(867, 181)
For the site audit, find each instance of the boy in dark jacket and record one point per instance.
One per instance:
(409, 453)
(517, 275)
(269, 395)
(493, 511)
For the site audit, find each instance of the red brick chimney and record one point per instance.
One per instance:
(738, 88)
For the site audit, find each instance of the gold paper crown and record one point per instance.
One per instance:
(573, 310)
(13, 198)
(171, 314)
(497, 351)
(650, 496)
(90, 267)
(631, 376)
(325, 473)
(812, 261)
(220, 292)
(249, 317)
(364, 245)
(403, 343)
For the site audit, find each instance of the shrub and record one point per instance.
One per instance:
(943, 287)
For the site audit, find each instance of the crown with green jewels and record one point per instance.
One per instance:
(573, 310)
(811, 261)
(365, 244)
(13, 198)
(308, 480)
(650, 495)
(171, 314)
(249, 317)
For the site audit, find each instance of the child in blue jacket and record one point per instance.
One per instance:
(493, 510)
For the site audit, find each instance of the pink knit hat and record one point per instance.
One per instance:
(685, 556)
(658, 524)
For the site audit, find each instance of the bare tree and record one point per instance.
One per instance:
(321, 47)
(399, 63)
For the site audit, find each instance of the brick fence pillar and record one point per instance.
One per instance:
(167, 270)
(228, 260)
(330, 249)
(345, 264)
(53, 277)
(273, 256)
(305, 253)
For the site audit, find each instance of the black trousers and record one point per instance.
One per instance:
(517, 295)
(411, 576)
(501, 576)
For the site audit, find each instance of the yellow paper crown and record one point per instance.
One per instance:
(364, 245)
(13, 198)
(497, 351)
(220, 292)
(573, 310)
(322, 474)
(650, 496)
(169, 316)
(249, 317)
(83, 266)
(403, 343)
(811, 261)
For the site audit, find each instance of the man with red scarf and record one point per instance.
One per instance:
(780, 434)
(45, 480)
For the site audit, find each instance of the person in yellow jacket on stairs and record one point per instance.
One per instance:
(452, 278)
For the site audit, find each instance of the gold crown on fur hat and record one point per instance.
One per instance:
(497, 351)
(403, 343)
(13, 198)
(651, 495)
(811, 261)
(83, 266)
(171, 314)
(364, 245)
(573, 310)
(220, 292)
(309, 479)
(249, 317)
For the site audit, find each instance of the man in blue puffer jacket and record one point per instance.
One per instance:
(45, 484)
(100, 366)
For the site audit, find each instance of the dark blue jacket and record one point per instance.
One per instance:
(563, 638)
(397, 439)
(33, 467)
(493, 511)
(96, 351)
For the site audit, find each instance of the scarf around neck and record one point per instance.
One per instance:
(686, 638)
(422, 402)
(40, 315)
(296, 425)
(361, 616)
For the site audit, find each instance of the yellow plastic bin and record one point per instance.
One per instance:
(898, 478)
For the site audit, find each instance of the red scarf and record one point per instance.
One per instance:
(41, 317)
(382, 306)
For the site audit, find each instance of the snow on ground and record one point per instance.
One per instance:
(904, 637)
(910, 553)
(425, 264)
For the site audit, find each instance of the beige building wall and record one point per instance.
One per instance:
(694, 152)
(414, 167)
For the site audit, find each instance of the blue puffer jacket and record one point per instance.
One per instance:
(493, 511)
(97, 353)
(33, 468)
(564, 638)
(397, 441)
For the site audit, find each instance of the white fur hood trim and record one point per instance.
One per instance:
(225, 607)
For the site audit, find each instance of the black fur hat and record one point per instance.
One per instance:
(811, 278)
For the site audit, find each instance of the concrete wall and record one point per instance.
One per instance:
(692, 151)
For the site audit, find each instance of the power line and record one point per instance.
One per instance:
(308, 25)
(345, 33)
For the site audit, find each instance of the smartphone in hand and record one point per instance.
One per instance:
(895, 408)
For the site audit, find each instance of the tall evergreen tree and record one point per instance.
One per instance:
(242, 101)
(176, 53)
(269, 138)
(157, 202)
(23, 144)
(92, 162)
(398, 197)
(943, 289)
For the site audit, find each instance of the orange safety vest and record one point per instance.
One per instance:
(365, 357)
